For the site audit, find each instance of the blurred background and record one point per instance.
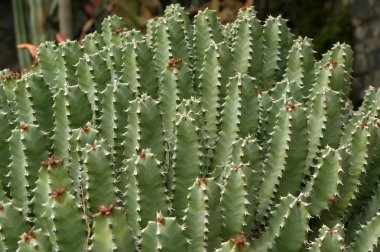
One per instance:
(26, 23)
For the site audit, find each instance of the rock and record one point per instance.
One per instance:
(361, 32)
(360, 64)
(376, 79)
(8, 58)
(366, 20)
(364, 10)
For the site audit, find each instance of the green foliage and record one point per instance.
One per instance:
(194, 137)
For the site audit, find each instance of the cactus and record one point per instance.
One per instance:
(194, 137)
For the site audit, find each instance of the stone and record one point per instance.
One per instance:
(376, 78)
(367, 81)
(375, 27)
(8, 58)
(359, 47)
(361, 32)
(376, 54)
(363, 10)
(371, 61)
(372, 44)
(360, 63)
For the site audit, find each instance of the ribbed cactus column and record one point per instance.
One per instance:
(196, 136)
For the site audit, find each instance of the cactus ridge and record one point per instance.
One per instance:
(195, 136)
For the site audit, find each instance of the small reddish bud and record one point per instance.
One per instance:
(290, 106)
(86, 129)
(118, 31)
(333, 200)
(202, 181)
(23, 127)
(378, 124)
(331, 64)
(52, 162)
(174, 63)
(244, 8)
(24, 71)
(239, 241)
(13, 75)
(60, 38)
(106, 211)
(142, 155)
(160, 220)
(102, 208)
(331, 230)
(58, 193)
(1, 207)
(28, 236)
(110, 226)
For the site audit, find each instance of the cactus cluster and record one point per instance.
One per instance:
(195, 136)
